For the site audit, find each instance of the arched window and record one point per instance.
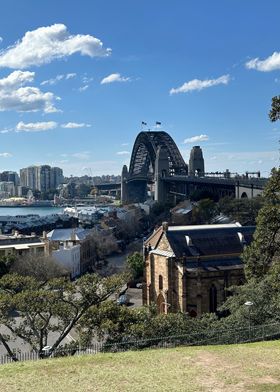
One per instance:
(160, 282)
(212, 299)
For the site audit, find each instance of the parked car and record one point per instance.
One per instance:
(123, 300)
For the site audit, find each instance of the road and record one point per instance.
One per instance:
(116, 264)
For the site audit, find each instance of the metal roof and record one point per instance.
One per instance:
(219, 240)
(77, 234)
(164, 253)
(215, 265)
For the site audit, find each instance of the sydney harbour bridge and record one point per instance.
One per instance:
(158, 170)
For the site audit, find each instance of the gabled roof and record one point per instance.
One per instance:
(195, 241)
(154, 238)
(77, 234)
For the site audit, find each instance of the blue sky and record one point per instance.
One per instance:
(78, 78)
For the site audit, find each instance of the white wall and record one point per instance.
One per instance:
(69, 257)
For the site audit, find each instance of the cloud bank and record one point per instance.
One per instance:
(271, 63)
(14, 95)
(35, 127)
(123, 153)
(75, 125)
(45, 44)
(198, 85)
(195, 139)
(114, 77)
(5, 155)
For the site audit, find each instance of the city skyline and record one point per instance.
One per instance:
(77, 81)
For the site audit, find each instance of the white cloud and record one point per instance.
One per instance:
(45, 44)
(86, 79)
(14, 95)
(58, 78)
(195, 139)
(1, 39)
(70, 75)
(84, 88)
(198, 85)
(52, 81)
(75, 125)
(6, 130)
(125, 144)
(16, 79)
(123, 153)
(35, 127)
(271, 63)
(114, 77)
(5, 155)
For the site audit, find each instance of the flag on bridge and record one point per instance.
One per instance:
(158, 123)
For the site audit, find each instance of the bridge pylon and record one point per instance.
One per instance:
(161, 171)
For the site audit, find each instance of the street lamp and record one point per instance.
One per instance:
(249, 304)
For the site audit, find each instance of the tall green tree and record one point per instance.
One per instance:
(135, 264)
(264, 251)
(274, 113)
(50, 308)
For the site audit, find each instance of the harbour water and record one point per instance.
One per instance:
(42, 211)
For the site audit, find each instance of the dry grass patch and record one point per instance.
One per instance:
(234, 368)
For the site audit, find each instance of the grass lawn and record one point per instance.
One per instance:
(247, 367)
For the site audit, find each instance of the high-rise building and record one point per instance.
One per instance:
(9, 176)
(42, 178)
(56, 177)
(196, 163)
(28, 177)
(7, 189)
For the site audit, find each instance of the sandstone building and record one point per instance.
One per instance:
(188, 268)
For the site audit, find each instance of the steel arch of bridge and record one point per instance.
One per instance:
(144, 154)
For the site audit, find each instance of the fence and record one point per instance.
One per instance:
(214, 337)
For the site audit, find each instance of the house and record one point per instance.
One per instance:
(21, 245)
(189, 268)
(63, 242)
(68, 255)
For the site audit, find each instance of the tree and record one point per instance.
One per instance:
(265, 308)
(6, 263)
(244, 211)
(135, 264)
(264, 251)
(205, 211)
(53, 307)
(41, 267)
(82, 190)
(119, 324)
(274, 113)
(103, 244)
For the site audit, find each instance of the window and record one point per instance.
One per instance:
(213, 299)
(160, 282)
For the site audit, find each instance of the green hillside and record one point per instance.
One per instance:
(247, 367)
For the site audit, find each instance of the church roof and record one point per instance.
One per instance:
(209, 240)
(154, 238)
(215, 265)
